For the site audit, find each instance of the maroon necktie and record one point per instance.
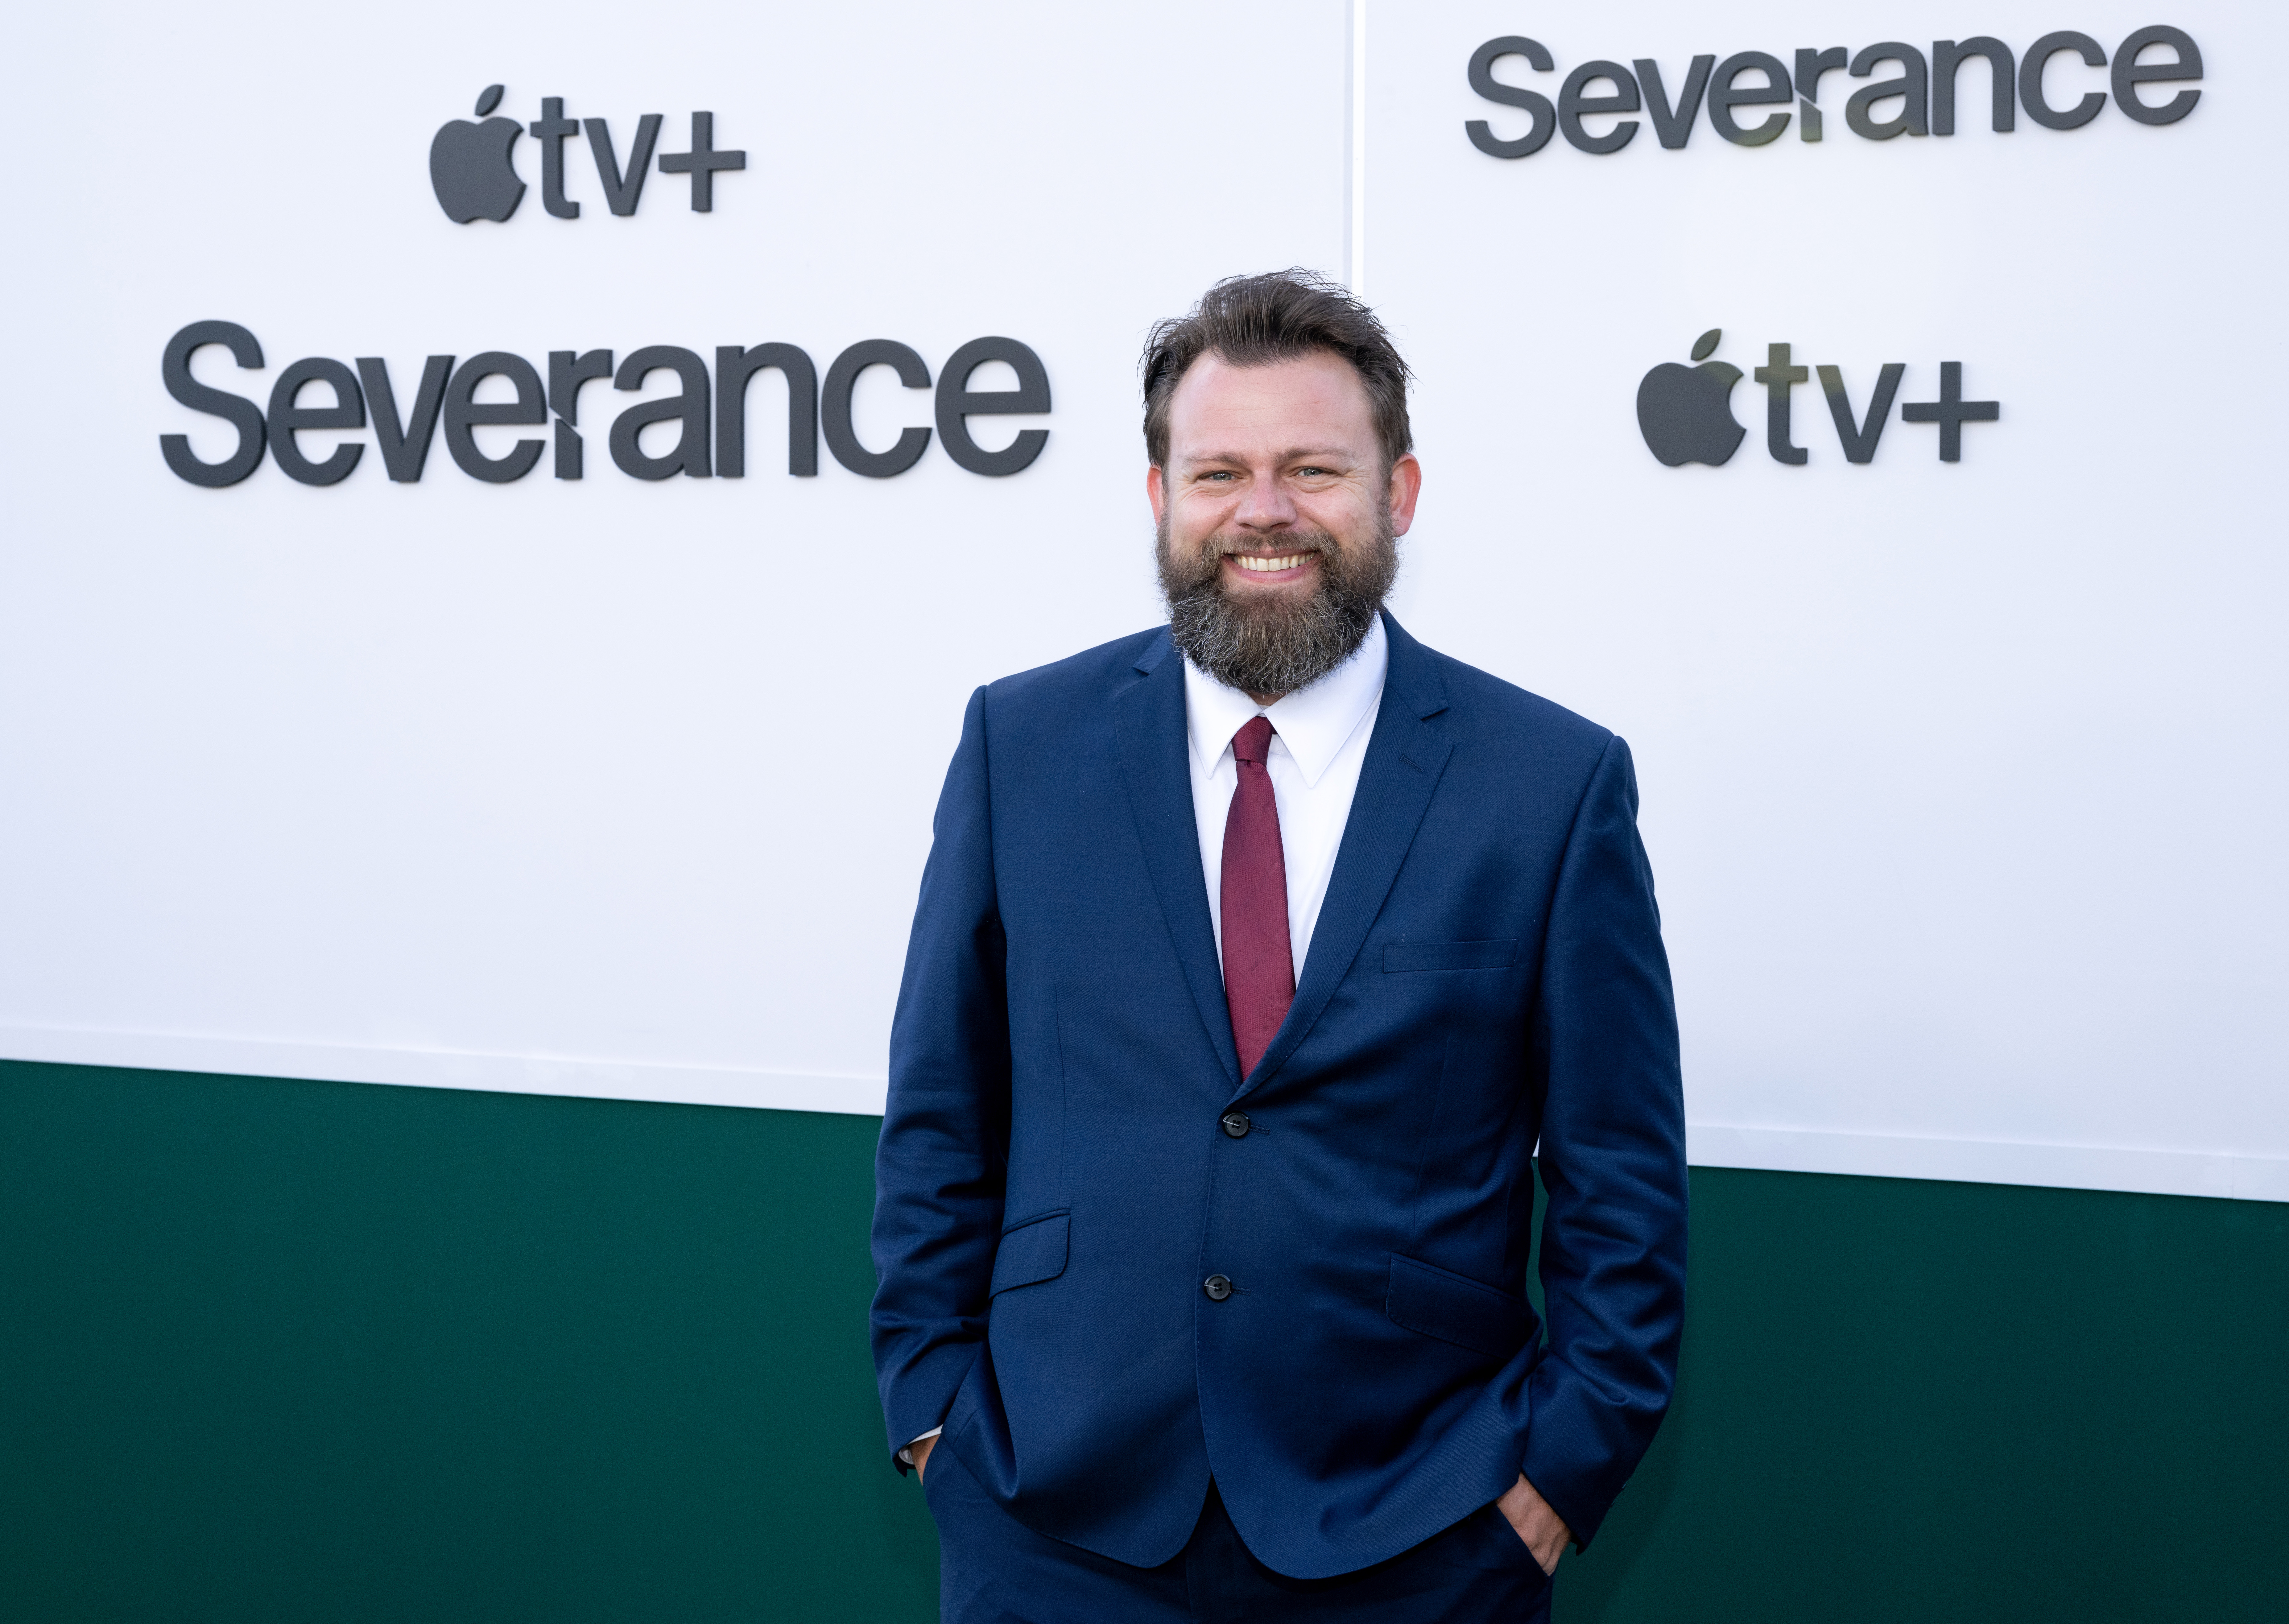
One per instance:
(1259, 969)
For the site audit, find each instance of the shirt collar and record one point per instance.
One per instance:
(1314, 723)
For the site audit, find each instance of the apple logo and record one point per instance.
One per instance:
(469, 165)
(1686, 413)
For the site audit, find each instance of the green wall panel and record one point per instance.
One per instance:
(1906, 1400)
(285, 1351)
(278, 1351)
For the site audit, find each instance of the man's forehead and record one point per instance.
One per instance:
(1312, 401)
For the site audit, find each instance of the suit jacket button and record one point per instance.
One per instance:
(1217, 1287)
(1236, 1124)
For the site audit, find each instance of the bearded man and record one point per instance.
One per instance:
(1257, 957)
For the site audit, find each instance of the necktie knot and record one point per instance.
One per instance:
(1253, 742)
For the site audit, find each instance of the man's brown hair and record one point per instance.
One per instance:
(1278, 315)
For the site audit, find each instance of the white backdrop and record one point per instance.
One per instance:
(1963, 781)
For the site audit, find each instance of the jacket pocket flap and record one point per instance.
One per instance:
(1498, 955)
(1456, 1308)
(1032, 1252)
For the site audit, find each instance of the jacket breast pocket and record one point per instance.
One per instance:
(1034, 1251)
(1399, 956)
(1456, 1308)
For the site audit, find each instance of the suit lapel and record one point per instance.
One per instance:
(1405, 757)
(1149, 717)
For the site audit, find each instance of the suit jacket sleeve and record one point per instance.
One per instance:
(1612, 1161)
(940, 1167)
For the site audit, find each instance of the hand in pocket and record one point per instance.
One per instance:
(1544, 1531)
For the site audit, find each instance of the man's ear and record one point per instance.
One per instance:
(1156, 491)
(1403, 488)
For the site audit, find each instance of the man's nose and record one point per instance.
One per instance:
(1266, 505)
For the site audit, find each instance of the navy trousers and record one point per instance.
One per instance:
(994, 1570)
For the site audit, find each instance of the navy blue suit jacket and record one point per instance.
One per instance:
(1053, 1183)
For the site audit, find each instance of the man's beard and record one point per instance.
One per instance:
(1268, 643)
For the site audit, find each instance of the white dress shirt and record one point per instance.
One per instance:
(1319, 743)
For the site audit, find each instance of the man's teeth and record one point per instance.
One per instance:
(1264, 566)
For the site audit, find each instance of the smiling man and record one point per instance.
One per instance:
(1258, 957)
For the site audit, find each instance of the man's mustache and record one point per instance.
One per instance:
(1208, 559)
(1266, 546)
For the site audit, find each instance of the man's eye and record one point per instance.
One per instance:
(1312, 473)
(1220, 475)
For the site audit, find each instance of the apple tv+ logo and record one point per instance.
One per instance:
(1686, 412)
(473, 170)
